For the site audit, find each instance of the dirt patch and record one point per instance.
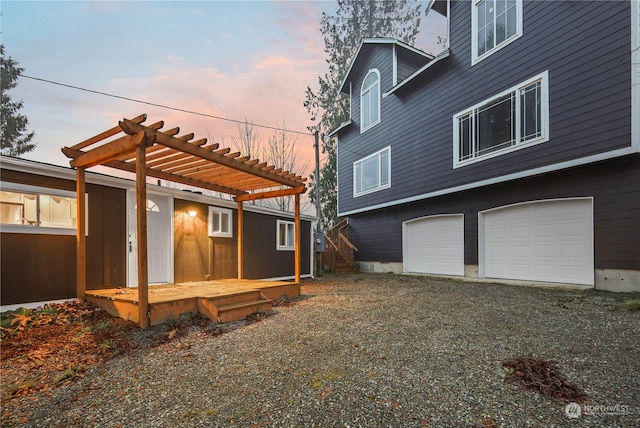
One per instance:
(56, 344)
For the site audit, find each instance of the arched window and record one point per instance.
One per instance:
(370, 100)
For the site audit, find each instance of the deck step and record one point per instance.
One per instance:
(235, 307)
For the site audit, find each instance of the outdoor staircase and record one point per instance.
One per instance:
(339, 255)
(234, 306)
(342, 265)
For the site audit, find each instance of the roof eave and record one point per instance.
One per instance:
(442, 55)
(377, 40)
(338, 129)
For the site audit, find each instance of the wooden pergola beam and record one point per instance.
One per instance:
(109, 151)
(131, 167)
(271, 194)
(296, 247)
(131, 128)
(81, 238)
(141, 213)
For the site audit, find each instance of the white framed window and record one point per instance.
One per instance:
(370, 100)
(511, 120)
(220, 222)
(285, 235)
(33, 209)
(372, 173)
(494, 24)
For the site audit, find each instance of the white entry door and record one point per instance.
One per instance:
(159, 230)
(549, 240)
(434, 244)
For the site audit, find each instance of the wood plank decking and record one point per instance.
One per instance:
(220, 300)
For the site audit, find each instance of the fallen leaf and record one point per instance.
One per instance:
(172, 334)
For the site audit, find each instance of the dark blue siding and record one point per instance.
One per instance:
(614, 185)
(408, 63)
(585, 46)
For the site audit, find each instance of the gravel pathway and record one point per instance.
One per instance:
(373, 350)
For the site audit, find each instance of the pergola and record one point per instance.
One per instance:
(149, 152)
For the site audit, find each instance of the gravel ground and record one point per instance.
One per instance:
(373, 350)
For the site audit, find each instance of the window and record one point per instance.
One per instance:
(31, 209)
(512, 120)
(372, 173)
(220, 222)
(370, 100)
(494, 24)
(286, 235)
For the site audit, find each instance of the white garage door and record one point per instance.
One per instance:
(434, 244)
(548, 241)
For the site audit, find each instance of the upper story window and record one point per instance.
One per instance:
(372, 173)
(511, 120)
(370, 100)
(494, 24)
(220, 222)
(286, 235)
(31, 209)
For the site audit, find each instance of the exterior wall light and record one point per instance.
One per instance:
(192, 213)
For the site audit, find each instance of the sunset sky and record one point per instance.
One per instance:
(233, 59)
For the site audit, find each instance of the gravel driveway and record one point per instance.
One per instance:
(373, 350)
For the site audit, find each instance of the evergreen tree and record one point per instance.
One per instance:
(15, 138)
(343, 32)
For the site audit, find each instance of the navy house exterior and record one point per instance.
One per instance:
(513, 154)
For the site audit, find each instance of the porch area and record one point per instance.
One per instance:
(219, 300)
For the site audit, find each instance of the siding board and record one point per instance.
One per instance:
(578, 42)
(614, 185)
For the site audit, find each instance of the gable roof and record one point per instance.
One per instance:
(369, 42)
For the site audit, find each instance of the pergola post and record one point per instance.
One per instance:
(141, 212)
(297, 237)
(240, 239)
(81, 236)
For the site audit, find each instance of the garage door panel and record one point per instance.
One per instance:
(539, 241)
(434, 245)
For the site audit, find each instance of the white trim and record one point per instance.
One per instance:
(474, 32)
(350, 102)
(47, 191)
(635, 74)
(285, 247)
(543, 78)
(379, 186)
(378, 99)
(213, 209)
(285, 278)
(501, 179)
(337, 175)
(394, 77)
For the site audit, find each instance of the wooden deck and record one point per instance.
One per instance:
(220, 300)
